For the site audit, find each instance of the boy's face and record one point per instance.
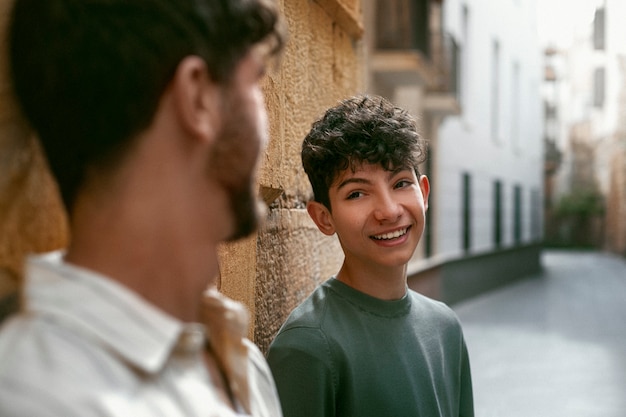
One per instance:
(378, 215)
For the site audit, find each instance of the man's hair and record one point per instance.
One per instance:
(89, 74)
(361, 129)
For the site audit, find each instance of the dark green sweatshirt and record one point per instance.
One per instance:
(344, 353)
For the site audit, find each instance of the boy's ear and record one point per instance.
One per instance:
(196, 98)
(425, 187)
(321, 217)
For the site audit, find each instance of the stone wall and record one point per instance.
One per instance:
(615, 215)
(322, 64)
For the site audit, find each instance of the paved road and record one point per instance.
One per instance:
(553, 345)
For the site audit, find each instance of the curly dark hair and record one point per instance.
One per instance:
(361, 129)
(88, 74)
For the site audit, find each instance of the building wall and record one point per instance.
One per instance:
(498, 135)
(599, 126)
(615, 221)
(609, 133)
(275, 270)
(449, 91)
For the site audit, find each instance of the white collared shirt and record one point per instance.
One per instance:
(86, 346)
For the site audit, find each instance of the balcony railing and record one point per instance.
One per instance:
(403, 25)
(415, 27)
(447, 61)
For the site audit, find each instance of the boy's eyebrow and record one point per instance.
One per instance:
(358, 180)
(353, 180)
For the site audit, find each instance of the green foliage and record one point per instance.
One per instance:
(581, 203)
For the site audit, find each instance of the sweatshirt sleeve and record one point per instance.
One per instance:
(466, 400)
(303, 369)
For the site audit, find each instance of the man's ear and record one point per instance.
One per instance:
(321, 217)
(425, 187)
(196, 98)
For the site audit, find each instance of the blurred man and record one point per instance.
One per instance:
(152, 119)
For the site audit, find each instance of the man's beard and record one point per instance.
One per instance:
(234, 164)
(246, 211)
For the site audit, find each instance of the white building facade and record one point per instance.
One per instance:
(488, 183)
(588, 97)
(470, 71)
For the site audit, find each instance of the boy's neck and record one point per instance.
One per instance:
(385, 283)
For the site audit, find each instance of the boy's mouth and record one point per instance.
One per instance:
(391, 235)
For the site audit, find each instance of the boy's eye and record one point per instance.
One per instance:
(403, 183)
(353, 195)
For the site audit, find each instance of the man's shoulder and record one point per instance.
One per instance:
(39, 354)
(36, 360)
(22, 336)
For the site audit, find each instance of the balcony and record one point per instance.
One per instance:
(401, 53)
(410, 49)
(443, 98)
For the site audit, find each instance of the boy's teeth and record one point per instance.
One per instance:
(392, 235)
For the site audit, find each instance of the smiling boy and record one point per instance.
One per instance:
(364, 344)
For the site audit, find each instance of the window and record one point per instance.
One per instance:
(465, 57)
(598, 87)
(517, 214)
(466, 213)
(551, 130)
(497, 214)
(515, 105)
(598, 29)
(495, 91)
(455, 73)
(535, 218)
(428, 230)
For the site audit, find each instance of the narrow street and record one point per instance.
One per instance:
(553, 345)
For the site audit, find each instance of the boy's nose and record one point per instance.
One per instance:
(387, 209)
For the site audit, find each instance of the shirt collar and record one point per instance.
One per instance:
(94, 304)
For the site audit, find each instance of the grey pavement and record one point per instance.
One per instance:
(552, 345)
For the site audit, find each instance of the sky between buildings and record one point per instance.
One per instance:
(559, 20)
